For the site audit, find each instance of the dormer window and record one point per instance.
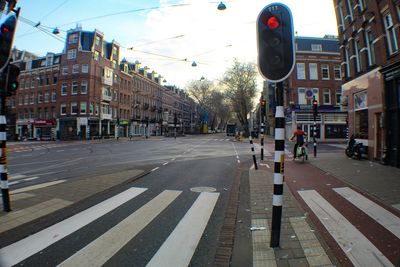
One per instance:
(73, 38)
(316, 47)
(97, 41)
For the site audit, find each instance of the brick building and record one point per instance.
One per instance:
(87, 92)
(315, 76)
(369, 36)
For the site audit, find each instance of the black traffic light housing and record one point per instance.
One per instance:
(275, 41)
(7, 30)
(9, 79)
(315, 107)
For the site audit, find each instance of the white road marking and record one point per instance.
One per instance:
(61, 150)
(173, 159)
(32, 244)
(179, 247)
(16, 176)
(165, 163)
(31, 178)
(355, 245)
(36, 186)
(103, 248)
(156, 168)
(373, 210)
(15, 182)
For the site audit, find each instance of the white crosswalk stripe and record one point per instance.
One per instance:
(31, 245)
(354, 244)
(177, 250)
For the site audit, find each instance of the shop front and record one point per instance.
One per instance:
(44, 129)
(24, 129)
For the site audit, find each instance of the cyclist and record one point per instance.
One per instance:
(299, 134)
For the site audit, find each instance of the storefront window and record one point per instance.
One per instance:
(335, 131)
(361, 115)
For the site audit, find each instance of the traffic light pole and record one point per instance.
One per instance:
(314, 134)
(277, 198)
(3, 155)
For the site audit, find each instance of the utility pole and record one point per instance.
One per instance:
(276, 59)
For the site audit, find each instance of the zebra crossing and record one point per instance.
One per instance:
(177, 249)
(356, 244)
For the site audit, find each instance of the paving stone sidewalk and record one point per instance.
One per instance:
(299, 244)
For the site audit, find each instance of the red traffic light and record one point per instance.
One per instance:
(273, 22)
(314, 102)
(4, 29)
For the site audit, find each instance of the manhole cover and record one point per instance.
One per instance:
(200, 189)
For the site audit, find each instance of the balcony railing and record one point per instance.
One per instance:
(106, 116)
(107, 80)
(106, 98)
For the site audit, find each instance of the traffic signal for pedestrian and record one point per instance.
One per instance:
(275, 41)
(7, 30)
(315, 107)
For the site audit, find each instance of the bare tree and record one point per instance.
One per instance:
(240, 83)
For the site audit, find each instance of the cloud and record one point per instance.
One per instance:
(213, 38)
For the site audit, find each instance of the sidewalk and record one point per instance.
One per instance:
(300, 245)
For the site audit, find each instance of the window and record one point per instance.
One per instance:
(33, 82)
(316, 93)
(71, 54)
(390, 34)
(96, 55)
(341, 19)
(336, 70)
(40, 97)
(63, 109)
(316, 47)
(84, 87)
(361, 5)
(349, 10)
(97, 41)
(64, 88)
(75, 68)
(83, 107)
(46, 97)
(301, 73)
(357, 51)
(326, 97)
(53, 96)
(302, 96)
(91, 108)
(73, 38)
(65, 70)
(313, 71)
(26, 99)
(32, 99)
(338, 97)
(347, 60)
(85, 68)
(55, 78)
(74, 90)
(325, 71)
(369, 42)
(74, 108)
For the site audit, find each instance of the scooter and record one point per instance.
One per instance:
(302, 152)
(354, 149)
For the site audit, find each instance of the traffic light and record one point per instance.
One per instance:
(275, 41)
(7, 30)
(315, 107)
(10, 79)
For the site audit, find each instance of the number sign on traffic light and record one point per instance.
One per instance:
(275, 41)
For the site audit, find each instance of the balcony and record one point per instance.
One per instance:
(106, 116)
(106, 98)
(107, 80)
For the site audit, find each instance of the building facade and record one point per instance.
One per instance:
(316, 75)
(87, 92)
(369, 36)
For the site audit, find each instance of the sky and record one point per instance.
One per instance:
(167, 35)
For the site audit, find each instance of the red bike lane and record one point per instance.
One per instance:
(309, 182)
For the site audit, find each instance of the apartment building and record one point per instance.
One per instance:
(369, 36)
(316, 76)
(35, 105)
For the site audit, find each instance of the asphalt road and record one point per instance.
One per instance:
(187, 189)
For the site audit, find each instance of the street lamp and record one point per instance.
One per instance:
(221, 6)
